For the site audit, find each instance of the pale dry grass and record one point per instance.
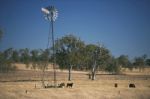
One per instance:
(87, 89)
(136, 71)
(101, 88)
(21, 66)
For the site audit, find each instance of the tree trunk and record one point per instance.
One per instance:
(94, 71)
(93, 75)
(70, 68)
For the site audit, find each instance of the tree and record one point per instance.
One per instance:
(15, 56)
(91, 57)
(68, 50)
(139, 62)
(6, 61)
(72, 53)
(113, 66)
(104, 57)
(123, 60)
(25, 56)
(97, 58)
(147, 62)
(34, 58)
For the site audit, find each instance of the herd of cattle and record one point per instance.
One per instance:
(70, 85)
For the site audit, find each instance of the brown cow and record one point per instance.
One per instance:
(116, 85)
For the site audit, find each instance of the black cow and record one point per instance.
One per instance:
(131, 85)
(70, 85)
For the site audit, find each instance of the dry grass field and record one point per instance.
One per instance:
(21, 85)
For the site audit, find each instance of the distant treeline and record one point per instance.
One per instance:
(71, 51)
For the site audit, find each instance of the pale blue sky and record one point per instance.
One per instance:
(123, 26)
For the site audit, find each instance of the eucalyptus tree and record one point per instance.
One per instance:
(34, 58)
(139, 62)
(8, 53)
(6, 61)
(15, 56)
(147, 62)
(123, 61)
(88, 55)
(96, 58)
(113, 66)
(68, 53)
(104, 57)
(25, 56)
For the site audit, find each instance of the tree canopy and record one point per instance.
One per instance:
(71, 51)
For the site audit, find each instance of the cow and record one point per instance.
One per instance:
(116, 85)
(69, 85)
(61, 85)
(131, 85)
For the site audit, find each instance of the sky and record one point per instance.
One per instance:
(122, 26)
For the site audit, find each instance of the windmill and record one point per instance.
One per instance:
(50, 14)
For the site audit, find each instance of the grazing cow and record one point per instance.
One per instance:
(116, 85)
(70, 85)
(61, 85)
(131, 85)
